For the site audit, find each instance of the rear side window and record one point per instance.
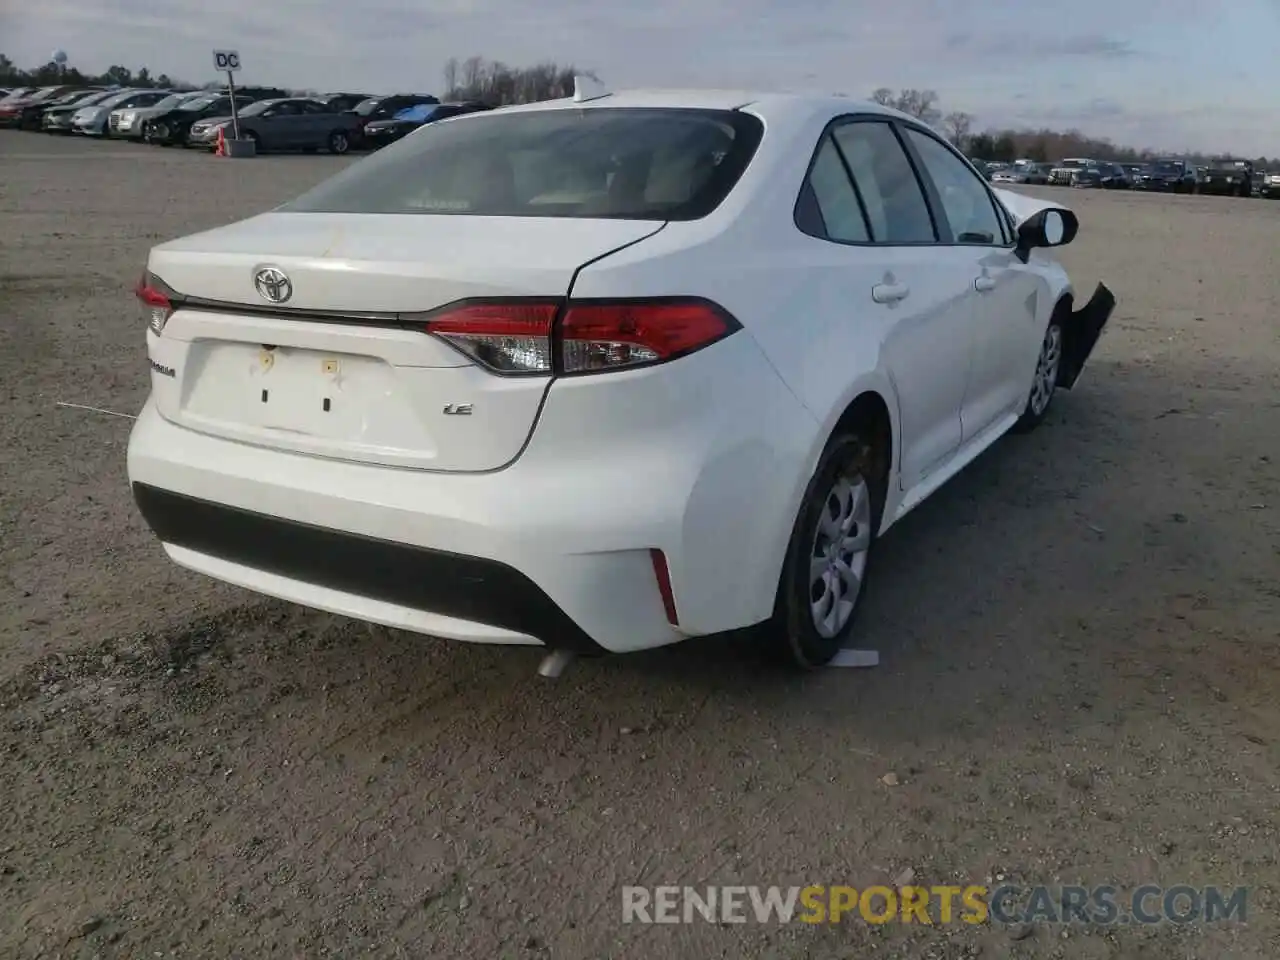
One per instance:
(894, 199)
(599, 162)
(831, 196)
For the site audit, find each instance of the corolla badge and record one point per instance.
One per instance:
(273, 284)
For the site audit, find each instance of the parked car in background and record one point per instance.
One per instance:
(435, 437)
(11, 107)
(295, 123)
(1023, 171)
(982, 166)
(386, 107)
(1224, 177)
(379, 133)
(1169, 175)
(57, 119)
(128, 122)
(171, 128)
(1102, 175)
(340, 102)
(1269, 188)
(1062, 173)
(31, 116)
(95, 121)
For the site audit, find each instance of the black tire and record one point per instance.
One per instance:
(257, 142)
(797, 639)
(1045, 378)
(339, 143)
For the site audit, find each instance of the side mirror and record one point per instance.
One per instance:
(1051, 227)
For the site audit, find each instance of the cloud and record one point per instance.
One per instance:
(1017, 45)
(967, 50)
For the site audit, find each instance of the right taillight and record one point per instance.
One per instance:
(591, 336)
(156, 296)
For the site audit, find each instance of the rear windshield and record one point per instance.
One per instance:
(1227, 165)
(606, 162)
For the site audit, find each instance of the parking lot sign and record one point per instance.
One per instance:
(226, 61)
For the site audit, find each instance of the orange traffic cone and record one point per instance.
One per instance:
(221, 150)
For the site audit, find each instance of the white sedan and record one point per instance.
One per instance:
(600, 374)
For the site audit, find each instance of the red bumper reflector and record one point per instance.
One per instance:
(663, 576)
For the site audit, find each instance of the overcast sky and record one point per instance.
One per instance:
(1170, 74)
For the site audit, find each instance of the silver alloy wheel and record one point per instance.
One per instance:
(338, 143)
(838, 558)
(1047, 369)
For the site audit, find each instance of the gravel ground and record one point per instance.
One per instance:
(1079, 638)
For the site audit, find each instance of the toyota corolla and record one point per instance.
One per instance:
(600, 374)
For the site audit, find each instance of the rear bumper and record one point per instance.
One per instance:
(385, 574)
(554, 549)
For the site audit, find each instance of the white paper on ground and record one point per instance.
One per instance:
(856, 658)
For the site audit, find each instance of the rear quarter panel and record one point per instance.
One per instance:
(749, 257)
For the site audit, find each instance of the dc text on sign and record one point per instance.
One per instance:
(226, 61)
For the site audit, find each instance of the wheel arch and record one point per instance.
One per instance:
(871, 401)
(871, 404)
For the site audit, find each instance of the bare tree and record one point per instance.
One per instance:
(451, 74)
(472, 71)
(497, 83)
(921, 104)
(958, 124)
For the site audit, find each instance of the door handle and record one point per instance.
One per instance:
(984, 283)
(889, 292)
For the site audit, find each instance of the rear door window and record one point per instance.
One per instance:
(895, 205)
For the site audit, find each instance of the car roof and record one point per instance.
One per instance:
(795, 105)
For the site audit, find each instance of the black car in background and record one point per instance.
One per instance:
(340, 102)
(1168, 175)
(384, 108)
(1102, 175)
(1228, 178)
(171, 128)
(379, 133)
(32, 115)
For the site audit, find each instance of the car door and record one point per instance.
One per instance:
(1003, 290)
(895, 284)
(315, 123)
(278, 125)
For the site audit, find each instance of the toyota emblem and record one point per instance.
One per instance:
(273, 284)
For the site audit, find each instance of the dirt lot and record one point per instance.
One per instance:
(1080, 641)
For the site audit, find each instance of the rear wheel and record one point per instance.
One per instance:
(257, 141)
(339, 142)
(1045, 383)
(825, 573)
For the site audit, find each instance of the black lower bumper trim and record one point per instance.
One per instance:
(449, 584)
(1081, 334)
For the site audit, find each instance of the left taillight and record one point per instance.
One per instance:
(157, 298)
(582, 336)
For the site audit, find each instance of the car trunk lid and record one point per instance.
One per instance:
(343, 367)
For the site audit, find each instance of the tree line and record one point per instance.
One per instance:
(497, 83)
(1043, 146)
